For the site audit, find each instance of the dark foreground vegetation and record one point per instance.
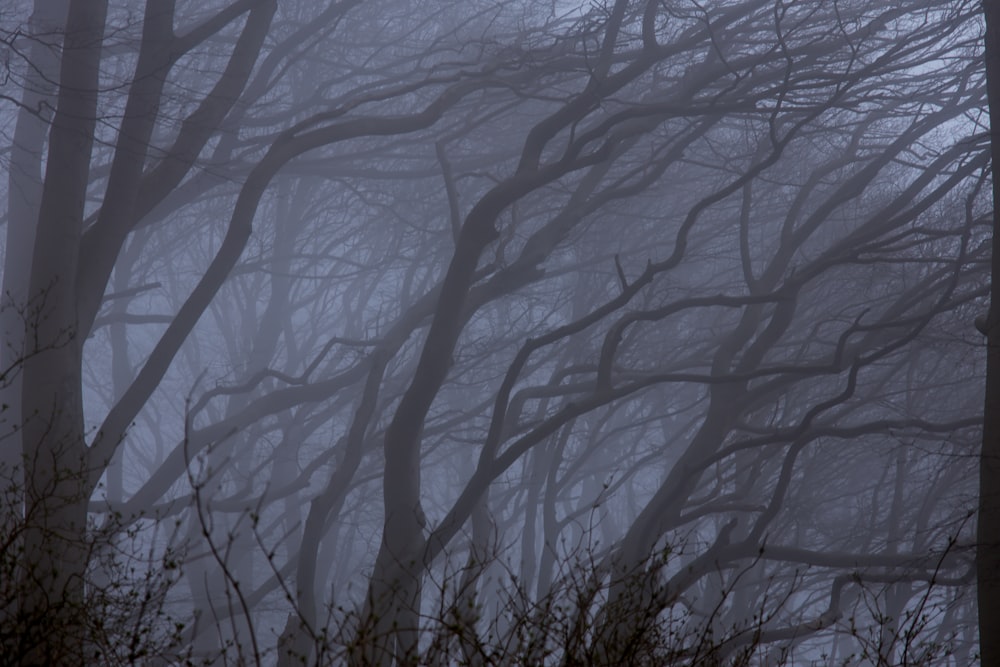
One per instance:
(496, 332)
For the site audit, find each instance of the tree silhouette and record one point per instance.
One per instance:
(496, 332)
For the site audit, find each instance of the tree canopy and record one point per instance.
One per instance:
(494, 332)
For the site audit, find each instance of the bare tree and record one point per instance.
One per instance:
(988, 540)
(626, 333)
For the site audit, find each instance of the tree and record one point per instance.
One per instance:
(632, 317)
(987, 538)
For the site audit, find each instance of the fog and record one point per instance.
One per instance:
(497, 333)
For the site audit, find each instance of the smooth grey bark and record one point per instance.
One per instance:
(24, 196)
(393, 600)
(55, 453)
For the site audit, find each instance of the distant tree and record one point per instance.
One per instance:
(618, 333)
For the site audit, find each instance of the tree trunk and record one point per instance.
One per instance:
(24, 193)
(988, 538)
(393, 604)
(55, 453)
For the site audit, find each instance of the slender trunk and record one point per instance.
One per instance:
(529, 549)
(393, 601)
(550, 524)
(121, 366)
(988, 539)
(24, 195)
(302, 628)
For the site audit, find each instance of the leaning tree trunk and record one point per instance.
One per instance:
(388, 633)
(988, 538)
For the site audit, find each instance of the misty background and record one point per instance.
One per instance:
(492, 332)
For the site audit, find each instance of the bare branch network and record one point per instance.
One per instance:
(497, 332)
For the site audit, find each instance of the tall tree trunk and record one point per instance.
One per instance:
(988, 538)
(24, 194)
(55, 453)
